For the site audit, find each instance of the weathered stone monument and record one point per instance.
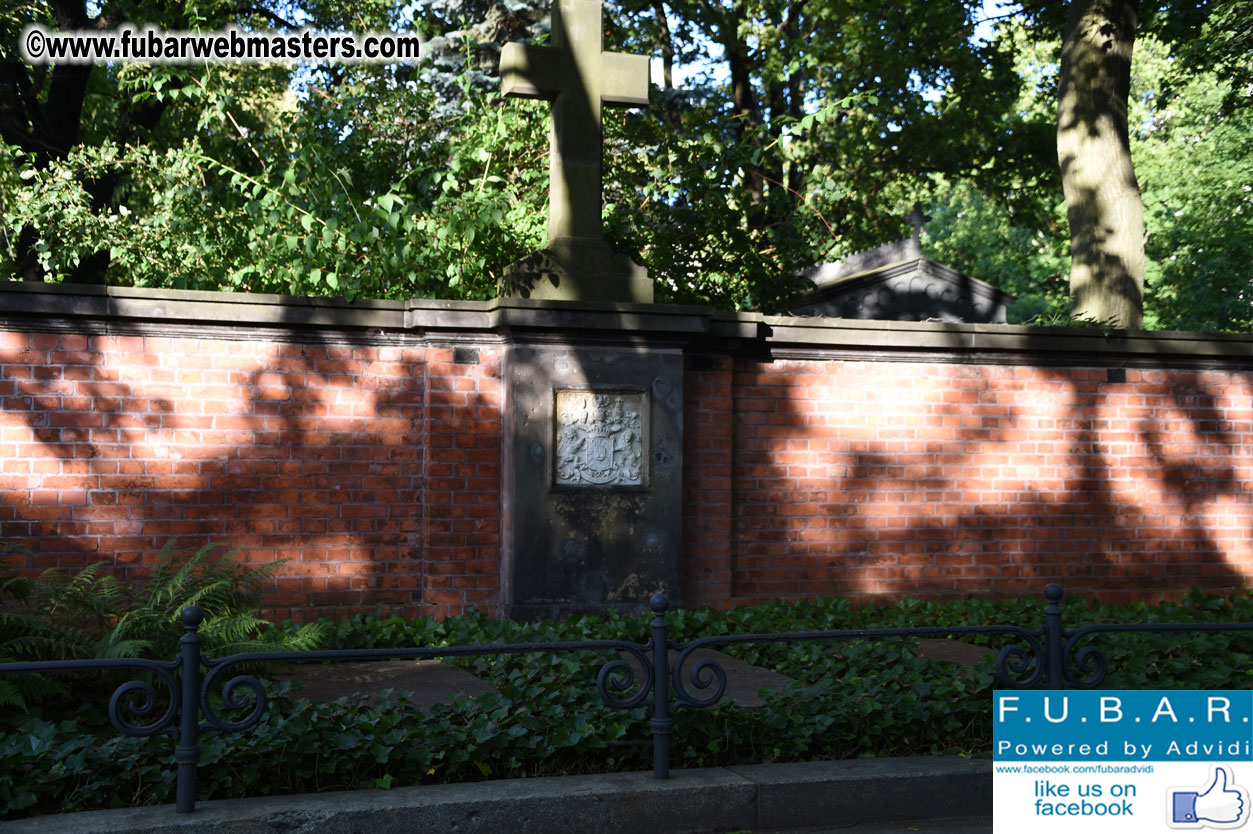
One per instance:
(579, 78)
(896, 282)
(593, 464)
(593, 476)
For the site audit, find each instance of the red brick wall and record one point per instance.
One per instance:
(708, 497)
(894, 478)
(461, 505)
(372, 471)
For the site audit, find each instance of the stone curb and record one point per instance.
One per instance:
(690, 802)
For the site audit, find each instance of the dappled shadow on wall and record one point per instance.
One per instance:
(316, 454)
(899, 478)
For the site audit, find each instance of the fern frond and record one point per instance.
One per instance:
(92, 614)
(21, 691)
(114, 644)
(233, 625)
(18, 587)
(315, 635)
(41, 647)
(11, 696)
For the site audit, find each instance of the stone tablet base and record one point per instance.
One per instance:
(575, 269)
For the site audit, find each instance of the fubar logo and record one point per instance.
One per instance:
(1121, 762)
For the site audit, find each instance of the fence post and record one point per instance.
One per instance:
(661, 720)
(187, 753)
(1055, 648)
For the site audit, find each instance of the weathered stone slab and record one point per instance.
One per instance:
(430, 681)
(952, 651)
(870, 790)
(593, 478)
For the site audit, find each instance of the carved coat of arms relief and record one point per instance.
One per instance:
(600, 438)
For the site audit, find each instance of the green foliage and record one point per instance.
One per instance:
(1194, 162)
(1223, 48)
(834, 118)
(226, 590)
(356, 180)
(973, 232)
(850, 699)
(802, 135)
(23, 635)
(57, 617)
(305, 225)
(684, 186)
(91, 614)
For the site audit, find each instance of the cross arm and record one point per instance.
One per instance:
(529, 71)
(625, 79)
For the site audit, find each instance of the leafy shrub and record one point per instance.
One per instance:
(849, 699)
(89, 614)
(23, 636)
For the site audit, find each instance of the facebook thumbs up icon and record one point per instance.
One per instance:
(1222, 804)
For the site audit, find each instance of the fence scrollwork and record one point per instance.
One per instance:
(619, 676)
(705, 673)
(138, 699)
(1014, 661)
(233, 699)
(1089, 666)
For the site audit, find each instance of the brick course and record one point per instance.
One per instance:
(880, 478)
(372, 471)
(827, 461)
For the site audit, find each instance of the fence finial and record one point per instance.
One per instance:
(192, 616)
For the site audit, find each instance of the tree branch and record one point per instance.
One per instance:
(263, 12)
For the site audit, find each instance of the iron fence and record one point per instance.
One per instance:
(1047, 657)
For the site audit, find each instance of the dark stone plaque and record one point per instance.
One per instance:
(593, 489)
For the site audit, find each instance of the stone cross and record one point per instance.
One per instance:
(578, 76)
(917, 219)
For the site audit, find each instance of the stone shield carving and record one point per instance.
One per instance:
(600, 438)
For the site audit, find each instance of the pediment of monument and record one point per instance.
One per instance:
(894, 282)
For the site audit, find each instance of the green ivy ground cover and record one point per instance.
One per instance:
(849, 699)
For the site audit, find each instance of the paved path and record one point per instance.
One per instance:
(973, 825)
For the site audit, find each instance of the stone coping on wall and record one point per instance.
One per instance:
(36, 307)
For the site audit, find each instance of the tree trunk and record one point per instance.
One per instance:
(747, 119)
(667, 45)
(1103, 201)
